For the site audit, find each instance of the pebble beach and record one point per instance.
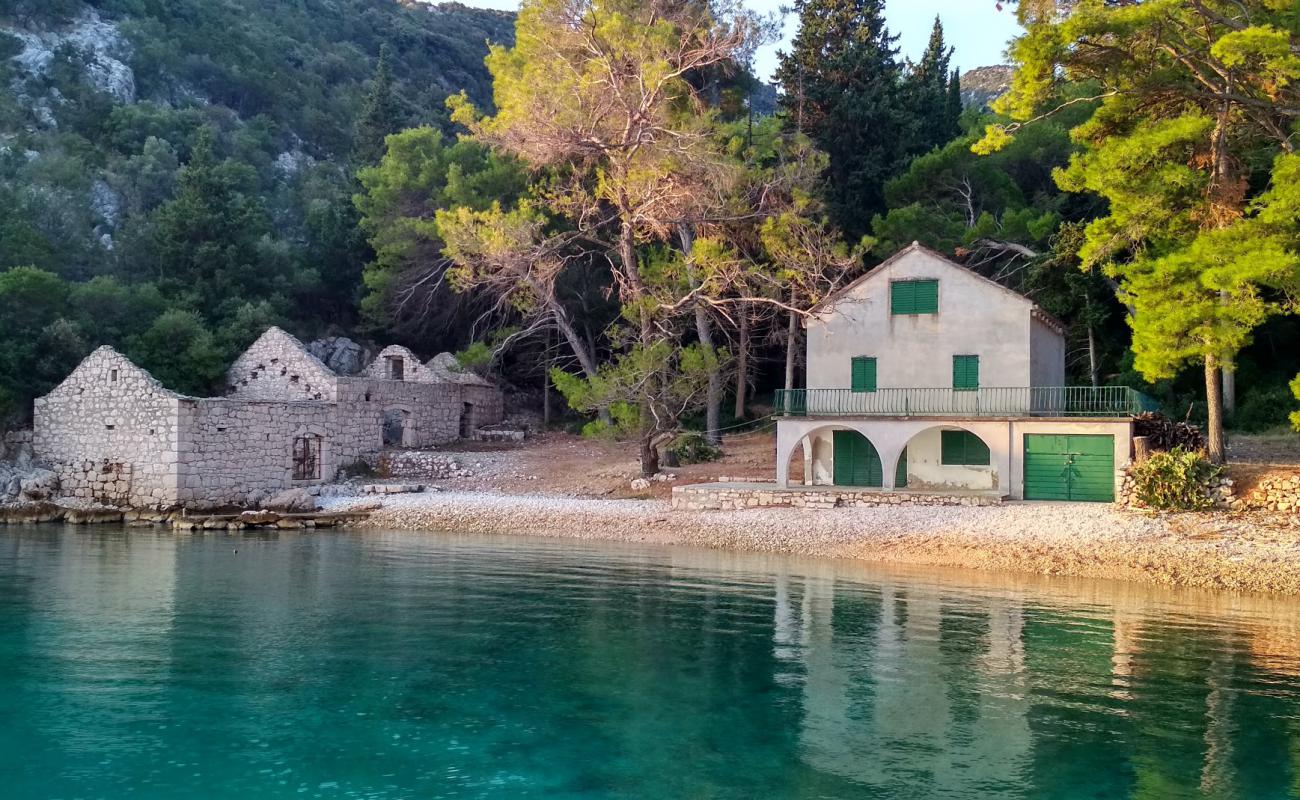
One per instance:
(1248, 552)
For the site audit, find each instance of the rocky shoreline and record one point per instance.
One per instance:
(1249, 552)
(47, 512)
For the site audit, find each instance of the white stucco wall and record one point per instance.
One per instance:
(975, 317)
(1046, 355)
(921, 437)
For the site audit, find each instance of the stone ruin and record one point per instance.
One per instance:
(115, 435)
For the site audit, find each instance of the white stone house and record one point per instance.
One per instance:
(116, 435)
(925, 376)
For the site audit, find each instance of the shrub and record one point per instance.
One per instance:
(1263, 409)
(692, 448)
(1176, 480)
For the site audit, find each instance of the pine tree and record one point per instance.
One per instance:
(841, 85)
(381, 115)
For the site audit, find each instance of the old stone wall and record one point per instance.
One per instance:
(734, 497)
(233, 451)
(278, 367)
(412, 369)
(428, 413)
(110, 432)
(488, 403)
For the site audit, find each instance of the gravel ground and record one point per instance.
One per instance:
(1246, 552)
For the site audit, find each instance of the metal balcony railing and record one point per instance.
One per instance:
(1016, 401)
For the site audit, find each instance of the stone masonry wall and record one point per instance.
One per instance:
(413, 370)
(232, 450)
(110, 432)
(734, 497)
(278, 367)
(432, 410)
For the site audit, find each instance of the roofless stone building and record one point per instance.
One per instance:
(115, 434)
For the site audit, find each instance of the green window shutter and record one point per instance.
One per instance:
(914, 297)
(962, 449)
(902, 297)
(864, 374)
(966, 373)
(926, 297)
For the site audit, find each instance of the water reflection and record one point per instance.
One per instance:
(392, 665)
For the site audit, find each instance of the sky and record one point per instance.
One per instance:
(976, 28)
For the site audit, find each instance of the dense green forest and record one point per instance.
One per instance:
(610, 207)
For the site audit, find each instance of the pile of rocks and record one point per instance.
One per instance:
(418, 464)
(1276, 493)
(641, 484)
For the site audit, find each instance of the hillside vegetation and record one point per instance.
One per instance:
(176, 175)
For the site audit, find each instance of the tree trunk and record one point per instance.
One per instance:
(635, 287)
(704, 330)
(791, 341)
(1214, 411)
(546, 385)
(1229, 380)
(1094, 366)
(649, 454)
(742, 362)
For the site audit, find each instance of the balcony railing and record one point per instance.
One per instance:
(1019, 401)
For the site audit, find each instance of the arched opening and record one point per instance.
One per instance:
(946, 458)
(854, 460)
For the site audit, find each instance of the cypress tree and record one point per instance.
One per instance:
(929, 91)
(841, 84)
(381, 115)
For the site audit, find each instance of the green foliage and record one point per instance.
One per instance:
(1177, 480)
(1263, 409)
(420, 175)
(180, 352)
(844, 87)
(1295, 415)
(691, 447)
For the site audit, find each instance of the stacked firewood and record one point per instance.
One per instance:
(1163, 433)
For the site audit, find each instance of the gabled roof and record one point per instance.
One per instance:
(1038, 313)
(276, 332)
(104, 356)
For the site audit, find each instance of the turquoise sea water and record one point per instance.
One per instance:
(145, 665)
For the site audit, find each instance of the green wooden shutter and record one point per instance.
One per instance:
(962, 449)
(914, 297)
(900, 472)
(926, 297)
(966, 373)
(902, 297)
(864, 374)
(855, 460)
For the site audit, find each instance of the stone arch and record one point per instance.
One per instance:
(928, 470)
(818, 444)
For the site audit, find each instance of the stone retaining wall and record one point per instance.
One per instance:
(417, 464)
(734, 497)
(1280, 492)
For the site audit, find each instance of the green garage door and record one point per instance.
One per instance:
(1070, 468)
(856, 461)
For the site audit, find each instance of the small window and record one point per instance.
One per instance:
(112, 375)
(221, 429)
(965, 373)
(109, 427)
(864, 374)
(306, 458)
(914, 297)
(367, 397)
(396, 368)
(962, 449)
(293, 379)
